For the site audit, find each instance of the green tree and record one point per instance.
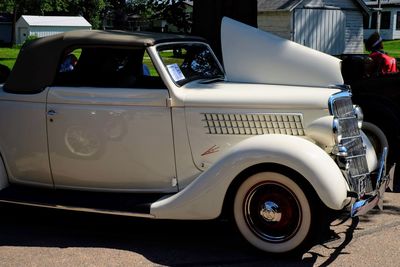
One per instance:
(117, 11)
(173, 11)
(92, 10)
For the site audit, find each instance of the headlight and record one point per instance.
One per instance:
(340, 151)
(337, 130)
(359, 115)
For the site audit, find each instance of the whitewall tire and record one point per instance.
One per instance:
(272, 212)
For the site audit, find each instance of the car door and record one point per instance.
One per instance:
(109, 127)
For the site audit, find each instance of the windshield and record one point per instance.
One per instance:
(188, 62)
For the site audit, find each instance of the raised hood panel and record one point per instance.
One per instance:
(254, 56)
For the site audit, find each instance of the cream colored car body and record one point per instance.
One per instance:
(138, 140)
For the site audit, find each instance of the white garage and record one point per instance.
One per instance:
(42, 26)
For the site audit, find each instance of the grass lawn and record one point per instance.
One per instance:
(8, 56)
(392, 48)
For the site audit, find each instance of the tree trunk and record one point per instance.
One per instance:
(14, 22)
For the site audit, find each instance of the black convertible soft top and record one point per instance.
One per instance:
(37, 61)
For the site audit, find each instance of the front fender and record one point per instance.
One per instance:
(204, 197)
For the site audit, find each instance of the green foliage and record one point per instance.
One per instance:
(30, 38)
(91, 10)
(173, 11)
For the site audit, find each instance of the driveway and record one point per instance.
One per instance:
(43, 237)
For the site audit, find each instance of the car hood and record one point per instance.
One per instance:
(255, 96)
(254, 56)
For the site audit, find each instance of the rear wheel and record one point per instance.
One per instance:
(272, 212)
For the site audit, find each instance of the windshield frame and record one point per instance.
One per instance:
(182, 82)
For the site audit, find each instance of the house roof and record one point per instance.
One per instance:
(273, 5)
(289, 5)
(383, 3)
(5, 17)
(37, 62)
(56, 20)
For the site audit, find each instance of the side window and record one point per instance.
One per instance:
(107, 67)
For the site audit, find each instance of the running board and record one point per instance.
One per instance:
(126, 204)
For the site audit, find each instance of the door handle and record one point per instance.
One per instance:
(51, 112)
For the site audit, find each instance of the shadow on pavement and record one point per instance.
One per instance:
(172, 243)
(338, 250)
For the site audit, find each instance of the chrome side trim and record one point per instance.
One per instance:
(61, 207)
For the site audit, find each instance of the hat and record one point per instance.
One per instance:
(373, 42)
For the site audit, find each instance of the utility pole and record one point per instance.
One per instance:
(378, 17)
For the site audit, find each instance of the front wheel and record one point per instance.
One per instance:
(272, 212)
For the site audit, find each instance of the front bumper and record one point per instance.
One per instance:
(384, 180)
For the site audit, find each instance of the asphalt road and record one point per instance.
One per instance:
(43, 237)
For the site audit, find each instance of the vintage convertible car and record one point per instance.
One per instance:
(151, 125)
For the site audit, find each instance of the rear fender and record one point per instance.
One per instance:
(204, 197)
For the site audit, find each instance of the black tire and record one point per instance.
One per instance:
(273, 213)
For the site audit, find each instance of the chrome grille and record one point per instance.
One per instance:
(349, 127)
(357, 166)
(343, 107)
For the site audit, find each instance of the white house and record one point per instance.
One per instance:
(331, 26)
(390, 19)
(42, 26)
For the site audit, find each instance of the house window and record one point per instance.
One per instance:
(398, 21)
(366, 20)
(385, 20)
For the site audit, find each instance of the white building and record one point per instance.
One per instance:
(42, 26)
(331, 26)
(390, 19)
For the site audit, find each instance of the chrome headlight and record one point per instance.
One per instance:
(340, 151)
(359, 115)
(337, 130)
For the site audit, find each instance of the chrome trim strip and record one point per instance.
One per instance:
(356, 156)
(360, 175)
(351, 137)
(61, 207)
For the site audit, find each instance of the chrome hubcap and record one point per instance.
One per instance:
(270, 212)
